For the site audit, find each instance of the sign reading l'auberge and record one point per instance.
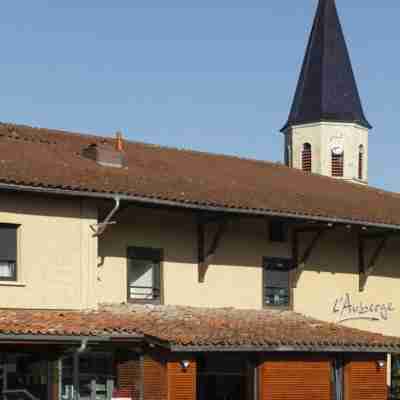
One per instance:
(345, 309)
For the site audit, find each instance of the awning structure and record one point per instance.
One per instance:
(188, 329)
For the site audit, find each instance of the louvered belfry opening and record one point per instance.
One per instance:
(361, 162)
(337, 165)
(306, 158)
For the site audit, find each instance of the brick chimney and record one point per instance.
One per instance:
(106, 154)
(119, 142)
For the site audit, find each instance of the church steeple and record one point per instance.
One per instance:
(327, 89)
(327, 131)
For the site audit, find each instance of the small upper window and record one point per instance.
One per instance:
(8, 252)
(277, 231)
(144, 274)
(337, 162)
(361, 162)
(277, 281)
(306, 158)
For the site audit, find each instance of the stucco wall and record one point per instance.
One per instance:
(56, 252)
(58, 265)
(233, 280)
(322, 137)
(235, 277)
(330, 284)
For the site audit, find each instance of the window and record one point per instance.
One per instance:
(8, 252)
(337, 164)
(306, 158)
(277, 231)
(144, 274)
(276, 273)
(361, 162)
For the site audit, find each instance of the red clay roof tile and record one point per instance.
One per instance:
(52, 159)
(187, 327)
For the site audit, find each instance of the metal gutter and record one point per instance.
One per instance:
(281, 349)
(191, 206)
(79, 339)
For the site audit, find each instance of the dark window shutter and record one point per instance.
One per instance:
(337, 165)
(277, 231)
(145, 253)
(8, 243)
(361, 162)
(306, 158)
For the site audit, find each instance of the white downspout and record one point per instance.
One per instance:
(102, 226)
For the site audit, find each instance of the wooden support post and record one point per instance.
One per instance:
(366, 271)
(206, 258)
(200, 249)
(216, 240)
(311, 247)
(295, 256)
(361, 262)
(300, 263)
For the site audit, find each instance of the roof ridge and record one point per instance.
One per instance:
(277, 164)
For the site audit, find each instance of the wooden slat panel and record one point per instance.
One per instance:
(364, 380)
(128, 375)
(181, 382)
(295, 380)
(154, 379)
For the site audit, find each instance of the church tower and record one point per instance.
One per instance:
(327, 131)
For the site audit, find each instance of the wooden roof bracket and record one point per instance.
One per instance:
(366, 269)
(205, 258)
(300, 262)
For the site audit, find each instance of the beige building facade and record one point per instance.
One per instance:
(67, 267)
(56, 252)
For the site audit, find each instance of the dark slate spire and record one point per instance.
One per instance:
(327, 89)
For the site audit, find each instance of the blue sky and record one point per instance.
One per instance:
(210, 75)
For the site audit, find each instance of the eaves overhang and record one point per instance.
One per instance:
(6, 338)
(195, 206)
(286, 349)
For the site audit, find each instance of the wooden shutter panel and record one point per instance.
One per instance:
(128, 371)
(337, 165)
(306, 158)
(181, 382)
(295, 380)
(364, 380)
(154, 378)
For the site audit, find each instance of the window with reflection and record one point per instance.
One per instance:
(8, 252)
(144, 275)
(276, 279)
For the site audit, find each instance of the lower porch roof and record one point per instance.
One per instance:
(193, 329)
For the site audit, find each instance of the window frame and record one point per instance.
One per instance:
(361, 162)
(306, 158)
(277, 231)
(290, 270)
(15, 274)
(145, 253)
(337, 165)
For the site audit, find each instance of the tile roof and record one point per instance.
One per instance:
(327, 89)
(52, 159)
(195, 328)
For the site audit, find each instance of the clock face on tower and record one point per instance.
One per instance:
(337, 149)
